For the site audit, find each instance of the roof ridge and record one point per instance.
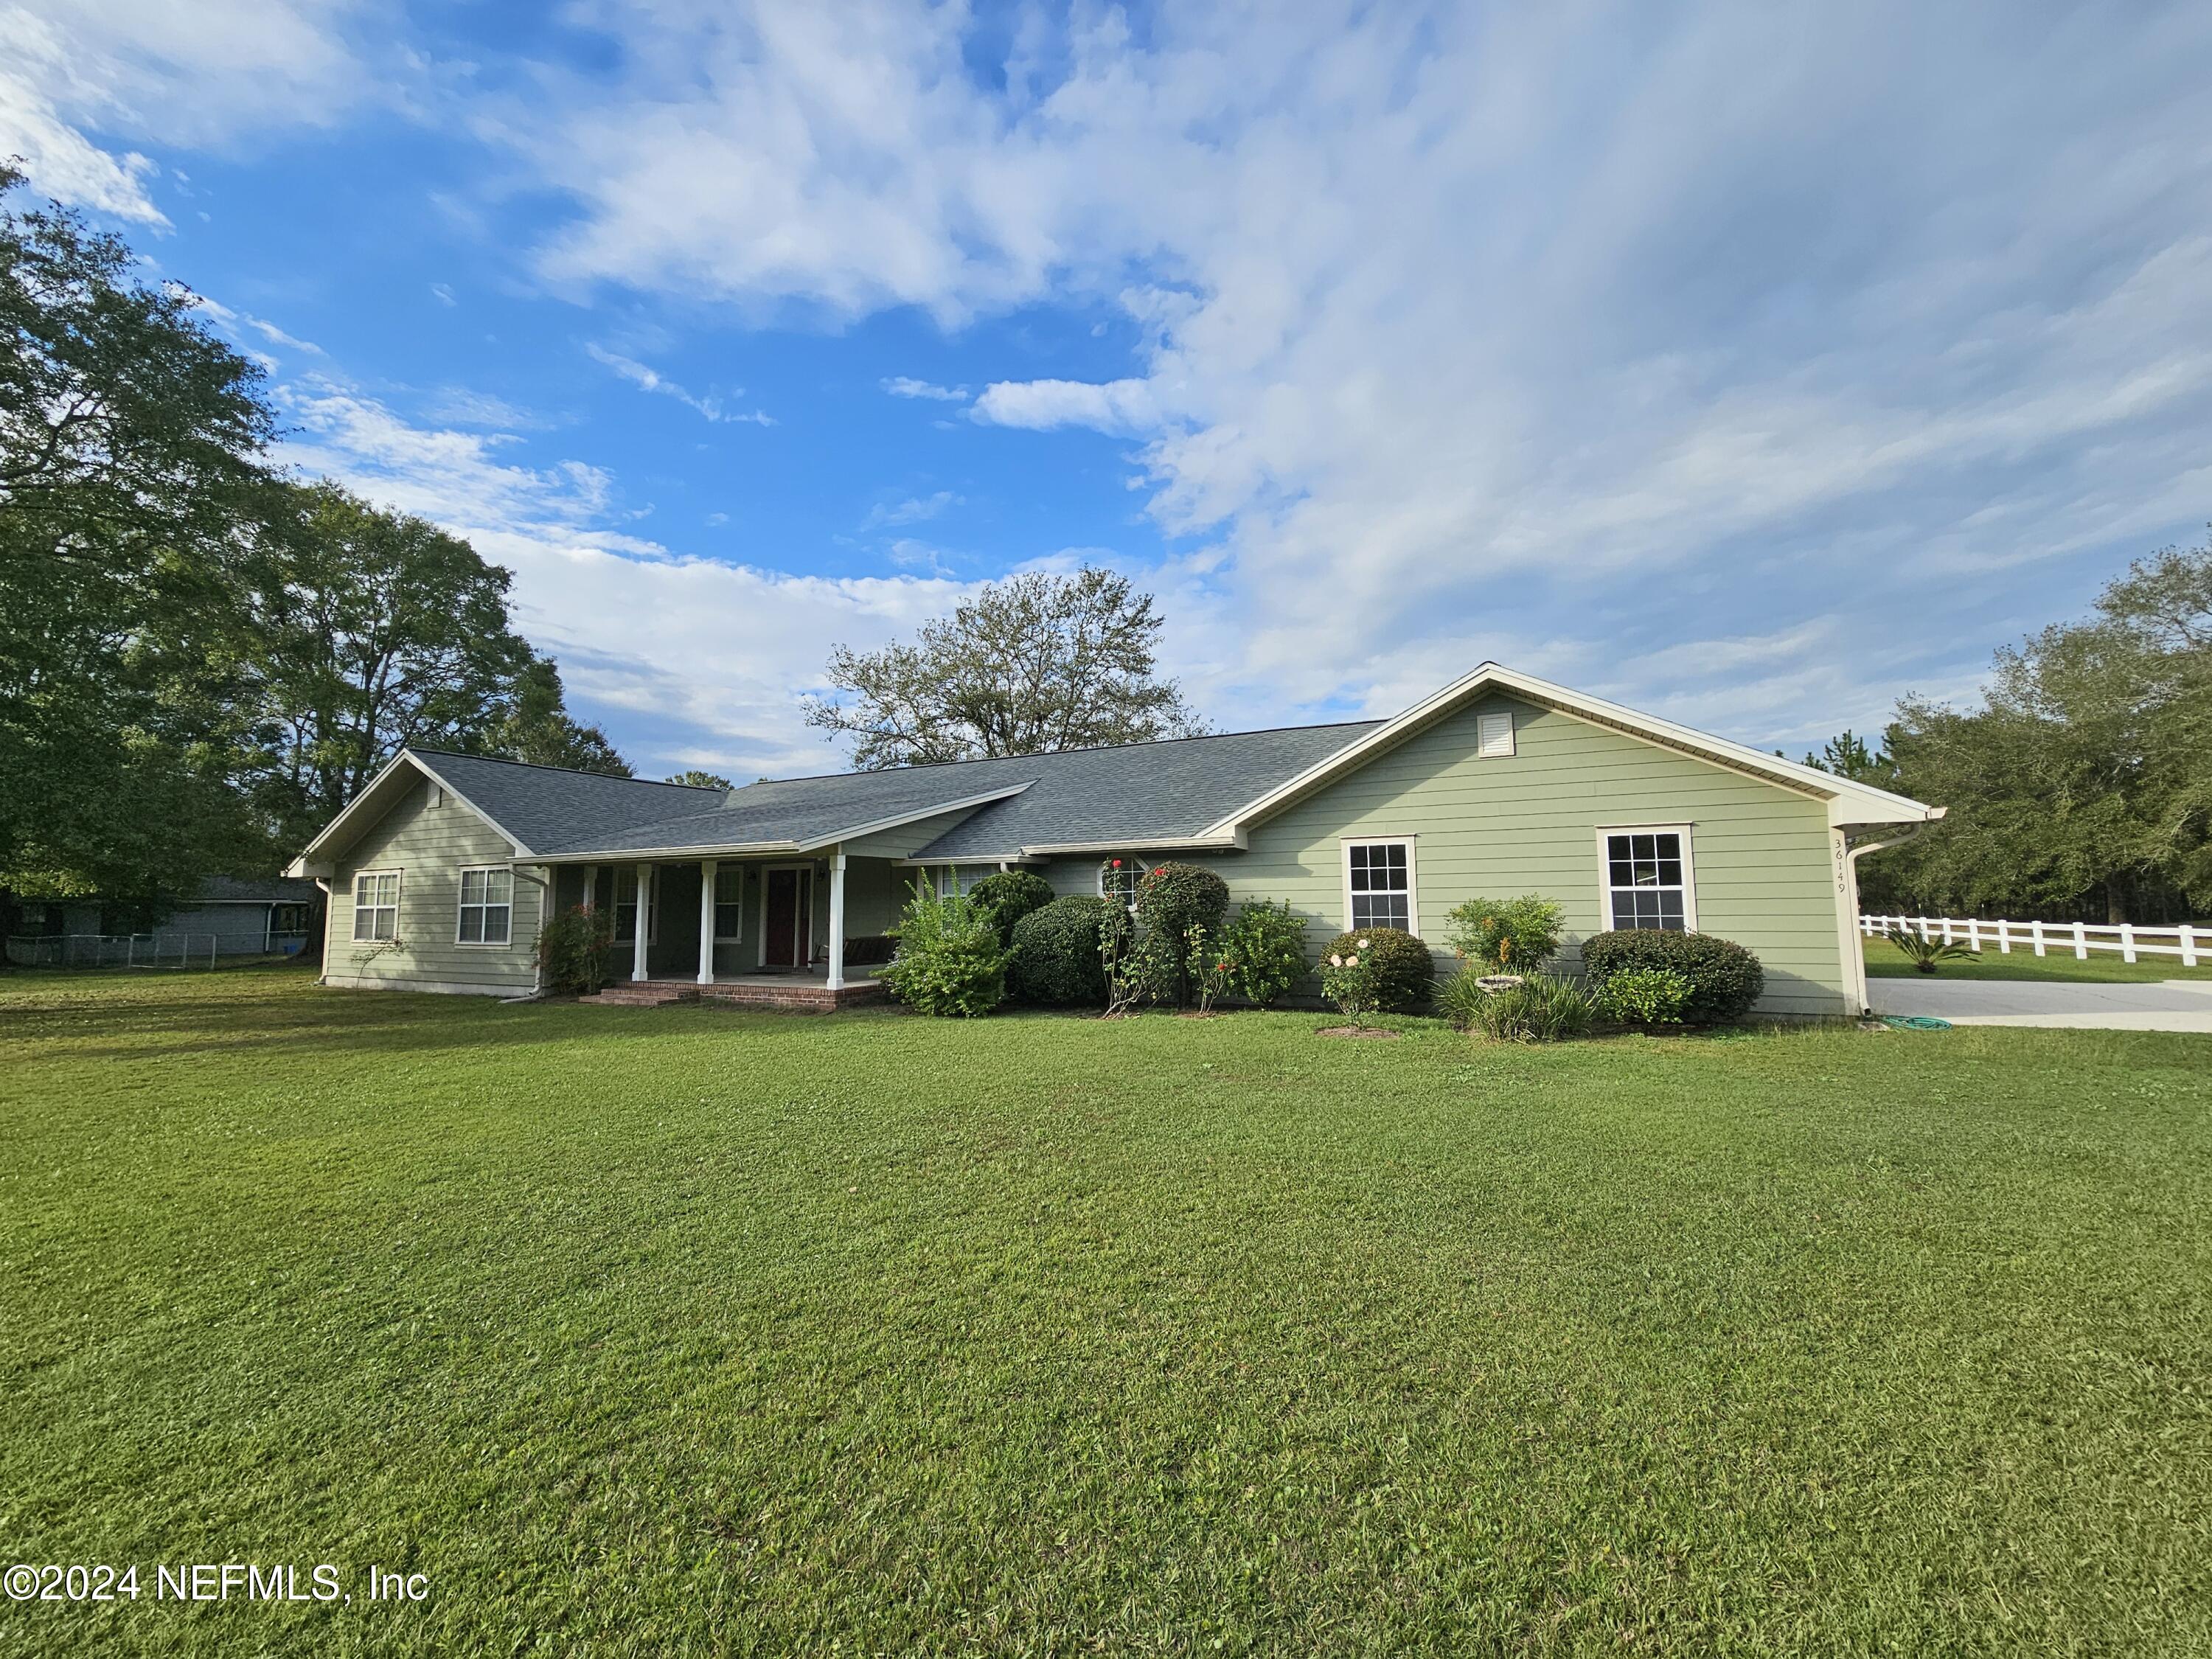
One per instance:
(565, 771)
(1051, 754)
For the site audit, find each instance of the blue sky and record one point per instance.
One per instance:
(1750, 366)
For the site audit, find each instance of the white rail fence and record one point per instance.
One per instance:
(2078, 939)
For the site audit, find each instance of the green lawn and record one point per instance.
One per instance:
(1885, 960)
(682, 1331)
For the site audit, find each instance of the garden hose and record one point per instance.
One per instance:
(1916, 1023)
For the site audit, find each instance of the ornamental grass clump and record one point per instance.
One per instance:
(1540, 1009)
(1506, 936)
(950, 962)
(1376, 970)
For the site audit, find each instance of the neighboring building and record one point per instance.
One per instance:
(243, 917)
(1500, 784)
(227, 917)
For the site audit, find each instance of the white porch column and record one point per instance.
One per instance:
(837, 920)
(707, 868)
(640, 935)
(590, 888)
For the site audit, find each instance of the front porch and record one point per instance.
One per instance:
(803, 994)
(763, 933)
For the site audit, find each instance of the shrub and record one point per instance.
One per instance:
(1008, 896)
(1210, 972)
(869, 950)
(949, 961)
(1175, 903)
(1540, 1009)
(1725, 979)
(1055, 953)
(1267, 950)
(1506, 936)
(573, 951)
(1923, 951)
(1376, 970)
(1462, 995)
(1645, 996)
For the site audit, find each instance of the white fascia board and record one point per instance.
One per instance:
(690, 850)
(937, 809)
(1208, 843)
(1848, 802)
(371, 804)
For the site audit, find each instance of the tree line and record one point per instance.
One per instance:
(2080, 788)
(204, 656)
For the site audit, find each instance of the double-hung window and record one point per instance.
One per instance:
(487, 907)
(1118, 878)
(729, 902)
(626, 906)
(376, 905)
(1378, 884)
(1647, 881)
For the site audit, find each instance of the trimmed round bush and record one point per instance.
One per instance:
(1725, 979)
(1008, 896)
(1173, 898)
(1381, 970)
(1056, 963)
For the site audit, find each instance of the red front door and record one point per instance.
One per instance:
(788, 910)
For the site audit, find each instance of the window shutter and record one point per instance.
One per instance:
(1493, 735)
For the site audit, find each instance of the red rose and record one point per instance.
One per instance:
(1117, 863)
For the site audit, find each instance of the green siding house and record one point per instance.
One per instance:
(442, 871)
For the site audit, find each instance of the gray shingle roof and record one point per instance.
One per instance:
(551, 810)
(269, 889)
(1136, 794)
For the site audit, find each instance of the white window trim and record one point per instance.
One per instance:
(462, 887)
(739, 872)
(1689, 869)
(353, 898)
(1128, 863)
(1344, 846)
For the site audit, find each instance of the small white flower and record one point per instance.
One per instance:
(1354, 963)
(1336, 961)
(1363, 944)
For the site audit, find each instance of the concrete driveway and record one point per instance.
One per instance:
(2173, 1005)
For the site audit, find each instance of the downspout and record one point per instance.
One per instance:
(537, 958)
(324, 884)
(1851, 856)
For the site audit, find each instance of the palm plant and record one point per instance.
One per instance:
(1921, 951)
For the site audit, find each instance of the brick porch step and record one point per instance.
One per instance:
(649, 993)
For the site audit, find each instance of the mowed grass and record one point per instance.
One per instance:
(1885, 960)
(681, 1331)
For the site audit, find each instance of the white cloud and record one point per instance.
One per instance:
(913, 510)
(650, 379)
(1117, 406)
(443, 293)
(904, 385)
(687, 656)
(81, 79)
(1592, 330)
